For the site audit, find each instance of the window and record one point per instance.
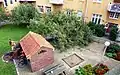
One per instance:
(48, 9)
(96, 18)
(69, 12)
(5, 3)
(11, 2)
(41, 8)
(114, 15)
(42, 51)
(79, 13)
(99, 1)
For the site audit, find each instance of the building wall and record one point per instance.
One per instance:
(88, 8)
(97, 8)
(1, 5)
(68, 4)
(40, 61)
(10, 6)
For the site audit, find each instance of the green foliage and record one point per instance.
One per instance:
(9, 32)
(97, 30)
(23, 13)
(113, 48)
(88, 69)
(100, 69)
(69, 30)
(80, 71)
(3, 15)
(113, 33)
(92, 26)
(111, 55)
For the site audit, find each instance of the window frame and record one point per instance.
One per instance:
(5, 3)
(79, 13)
(41, 7)
(114, 15)
(68, 11)
(11, 1)
(97, 1)
(96, 18)
(46, 9)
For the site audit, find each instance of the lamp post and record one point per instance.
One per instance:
(107, 43)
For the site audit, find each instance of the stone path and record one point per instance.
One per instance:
(91, 54)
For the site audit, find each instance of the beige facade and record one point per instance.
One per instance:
(89, 9)
(8, 5)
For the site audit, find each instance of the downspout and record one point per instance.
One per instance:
(86, 7)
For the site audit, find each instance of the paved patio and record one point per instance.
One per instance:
(91, 54)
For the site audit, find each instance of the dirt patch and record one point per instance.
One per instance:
(73, 60)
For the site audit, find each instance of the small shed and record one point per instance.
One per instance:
(38, 51)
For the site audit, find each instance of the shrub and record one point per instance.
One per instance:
(88, 68)
(92, 26)
(111, 55)
(69, 30)
(97, 30)
(113, 33)
(113, 48)
(100, 69)
(80, 71)
(23, 13)
(3, 15)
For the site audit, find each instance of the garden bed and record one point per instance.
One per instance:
(113, 51)
(99, 69)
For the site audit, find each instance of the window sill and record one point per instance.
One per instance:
(113, 18)
(97, 2)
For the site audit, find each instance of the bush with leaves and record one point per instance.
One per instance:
(69, 30)
(86, 70)
(3, 15)
(80, 71)
(97, 29)
(23, 13)
(113, 48)
(113, 33)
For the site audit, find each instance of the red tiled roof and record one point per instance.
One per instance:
(32, 42)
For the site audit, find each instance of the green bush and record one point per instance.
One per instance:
(88, 68)
(69, 30)
(92, 26)
(97, 30)
(3, 15)
(110, 55)
(80, 71)
(23, 13)
(113, 33)
(113, 48)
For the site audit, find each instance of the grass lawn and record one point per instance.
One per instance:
(9, 32)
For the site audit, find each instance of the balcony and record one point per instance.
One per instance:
(114, 7)
(56, 1)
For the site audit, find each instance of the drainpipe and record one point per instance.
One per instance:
(86, 7)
